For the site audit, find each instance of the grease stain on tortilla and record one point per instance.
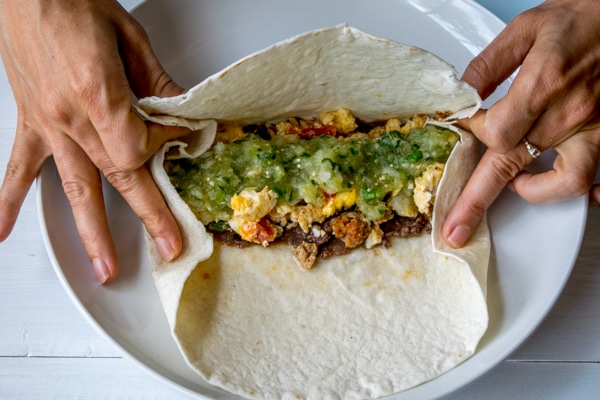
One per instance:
(379, 40)
(410, 274)
(370, 283)
(255, 349)
(200, 297)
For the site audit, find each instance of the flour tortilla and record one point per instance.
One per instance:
(364, 325)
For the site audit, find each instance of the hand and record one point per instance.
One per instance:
(73, 66)
(553, 102)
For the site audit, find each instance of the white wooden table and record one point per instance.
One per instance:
(48, 350)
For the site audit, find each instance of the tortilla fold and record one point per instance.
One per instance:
(364, 325)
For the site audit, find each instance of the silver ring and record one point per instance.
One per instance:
(533, 150)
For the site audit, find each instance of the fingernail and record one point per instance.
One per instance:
(101, 270)
(166, 251)
(459, 236)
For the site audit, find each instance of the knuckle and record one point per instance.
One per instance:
(54, 110)
(87, 82)
(553, 78)
(526, 17)
(475, 209)
(532, 17)
(478, 68)
(478, 74)
(78, 192)
(101, 99)
(85, 87)
(496, 138)
(581, 110)
(499, 142)
(164, 85)
(128, 160)
(152, 212)
(506, 168)
(15, 171)
(136, 31)
(20, 170)
(101, 96)
(121, 180)
(588, 106)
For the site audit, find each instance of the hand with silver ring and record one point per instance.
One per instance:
(553, 102)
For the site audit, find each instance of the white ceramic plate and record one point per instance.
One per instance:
(534, 247)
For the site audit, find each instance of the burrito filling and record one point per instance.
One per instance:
(324, 186)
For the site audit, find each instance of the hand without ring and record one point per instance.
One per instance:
(533, 150)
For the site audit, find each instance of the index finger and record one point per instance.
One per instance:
(28, 154)
(491, 175)
(508, 120)
(519, 45)
(500, 58)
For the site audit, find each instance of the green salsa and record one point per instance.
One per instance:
(308, 170)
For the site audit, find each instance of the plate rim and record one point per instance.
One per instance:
(40, 182)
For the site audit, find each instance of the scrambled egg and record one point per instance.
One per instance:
(404, 206)
(394, 124)
(340, 201)
(252, 205)
(375, 237)
(342, 119)
(285, 127)
(414, 122)
(426, 186)
(306, 215)
(229, 132)
(249, 208)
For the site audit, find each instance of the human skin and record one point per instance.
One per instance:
(73, 66)
(553, 102)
